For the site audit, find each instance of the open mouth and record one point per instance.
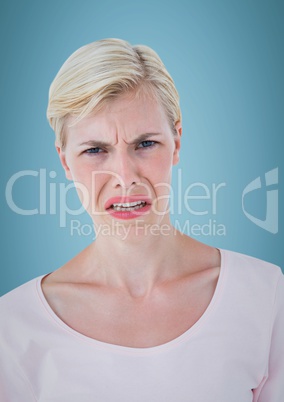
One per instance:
(128, 206)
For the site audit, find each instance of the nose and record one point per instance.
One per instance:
(126, 171)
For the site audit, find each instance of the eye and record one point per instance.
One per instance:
(96, 150)
(147, 144)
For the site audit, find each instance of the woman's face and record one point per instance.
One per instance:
(121, 160)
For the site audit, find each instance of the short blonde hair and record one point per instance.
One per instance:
(101, 71)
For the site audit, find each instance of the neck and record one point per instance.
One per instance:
(136, 262)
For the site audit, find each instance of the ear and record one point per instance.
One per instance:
(62, 157)
(177, 138)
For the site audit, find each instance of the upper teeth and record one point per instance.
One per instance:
(128, 204)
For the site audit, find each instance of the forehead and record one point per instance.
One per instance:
(129, 115)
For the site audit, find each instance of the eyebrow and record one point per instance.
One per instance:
(140, 138)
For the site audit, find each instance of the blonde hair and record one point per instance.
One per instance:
(101, 71)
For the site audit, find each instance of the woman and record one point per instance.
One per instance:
(145, 313)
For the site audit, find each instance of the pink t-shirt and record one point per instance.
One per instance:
(233, 353)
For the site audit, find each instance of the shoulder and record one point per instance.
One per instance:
(252, 279)
(22, 317)
(249, 266)
(19, 291)
(19, 302)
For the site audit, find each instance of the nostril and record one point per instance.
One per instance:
(125, 185)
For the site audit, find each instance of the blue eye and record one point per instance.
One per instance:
(96, 150)
(146, 144)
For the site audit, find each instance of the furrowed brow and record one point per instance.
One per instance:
(102, 144)
(142, 137)
(95, 144)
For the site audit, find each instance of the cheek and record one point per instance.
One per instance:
(81, 174)
(87, 181)
(89, 186)
(81, 170)
(161, 167)
(158, 176)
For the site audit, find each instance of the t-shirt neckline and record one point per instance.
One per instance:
(134, 350)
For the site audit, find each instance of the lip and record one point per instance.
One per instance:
(131, 198)
(128, 214)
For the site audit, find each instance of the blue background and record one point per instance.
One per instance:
(226, 58)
